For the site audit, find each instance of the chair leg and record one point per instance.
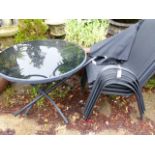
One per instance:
(92, 95)
(83, 79)
(138, 94)
(91, 101)
(140, 101)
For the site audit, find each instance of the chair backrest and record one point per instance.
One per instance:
(143, 50)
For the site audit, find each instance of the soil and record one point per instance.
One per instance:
(111, 115)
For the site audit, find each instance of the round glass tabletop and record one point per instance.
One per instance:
(41, 61)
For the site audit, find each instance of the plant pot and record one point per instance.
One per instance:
(117, 25)
(3, 84)
(56, 28)
(7, 33)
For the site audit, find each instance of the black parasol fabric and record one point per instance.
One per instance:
(118, 46)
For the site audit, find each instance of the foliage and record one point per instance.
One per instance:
(30, 29)
(61, 92)
(86, 32)
(33, 92)
(151, 83)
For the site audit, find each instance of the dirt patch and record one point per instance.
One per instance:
(105, 109)
(110, 115)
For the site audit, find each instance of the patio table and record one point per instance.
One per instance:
(40, 62)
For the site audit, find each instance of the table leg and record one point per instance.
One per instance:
(43, 93)
(27, 110)
(54, 104)
(28, 105)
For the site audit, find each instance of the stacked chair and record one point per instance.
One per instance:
(122, 64)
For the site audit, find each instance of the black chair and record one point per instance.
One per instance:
(119, 76)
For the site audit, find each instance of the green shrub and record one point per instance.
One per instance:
(30, 29)
(86, 32)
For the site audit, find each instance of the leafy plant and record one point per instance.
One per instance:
(30, 29)
(86, 32)
(33, 92)
(151, 83)
(61, 92)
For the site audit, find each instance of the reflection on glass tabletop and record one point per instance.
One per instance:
(41, 60)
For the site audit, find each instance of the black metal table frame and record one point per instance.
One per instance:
(43, 92)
